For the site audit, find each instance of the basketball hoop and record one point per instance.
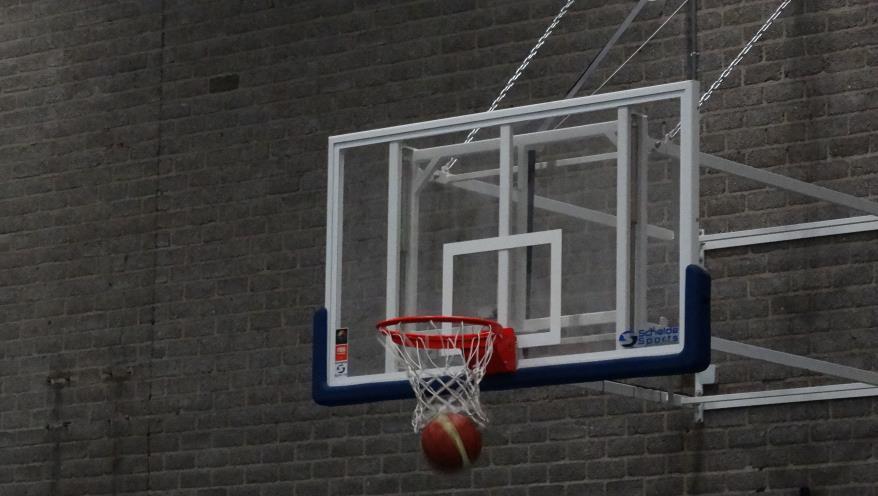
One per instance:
(446, 359)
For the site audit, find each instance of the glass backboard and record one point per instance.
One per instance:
(557, 219)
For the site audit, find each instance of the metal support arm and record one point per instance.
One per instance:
(779, 396)
(776, 180)
(790, 232)
(797, 361)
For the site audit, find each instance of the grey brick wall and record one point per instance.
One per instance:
(161, 245)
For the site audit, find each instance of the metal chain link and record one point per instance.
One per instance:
(737, 60)
(512, 80)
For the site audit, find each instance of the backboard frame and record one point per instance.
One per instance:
(690, 355)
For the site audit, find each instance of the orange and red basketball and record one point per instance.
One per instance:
(451, 442)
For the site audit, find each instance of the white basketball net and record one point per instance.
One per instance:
(444, 379)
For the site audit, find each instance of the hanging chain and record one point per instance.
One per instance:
(530, 56)
(731, 67)
(512, 80)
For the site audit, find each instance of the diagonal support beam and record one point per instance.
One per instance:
(596, 61)
(635, 392)
(425, 174)
(797, 361)
(776, 180)
(593, 65)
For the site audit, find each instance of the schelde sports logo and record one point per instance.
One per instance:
(654, 336)
(628, 339)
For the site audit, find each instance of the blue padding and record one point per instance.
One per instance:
(694, 357)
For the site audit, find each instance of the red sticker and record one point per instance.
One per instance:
(341, 353)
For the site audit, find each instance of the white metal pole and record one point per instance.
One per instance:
(334, 211)
(789, 232)
(641, 222)
(412, 230)
(623, 222)
(689, 192)
(447, 280)
(506, 157)
(518, 310)
(394, 205)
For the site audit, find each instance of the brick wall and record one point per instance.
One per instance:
(161, 245)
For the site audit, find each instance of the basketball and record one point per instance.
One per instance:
(451, 442)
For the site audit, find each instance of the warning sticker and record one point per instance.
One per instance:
(341, 352)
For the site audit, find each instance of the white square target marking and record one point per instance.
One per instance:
(501, 243)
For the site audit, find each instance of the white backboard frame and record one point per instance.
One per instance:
(686, 92)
